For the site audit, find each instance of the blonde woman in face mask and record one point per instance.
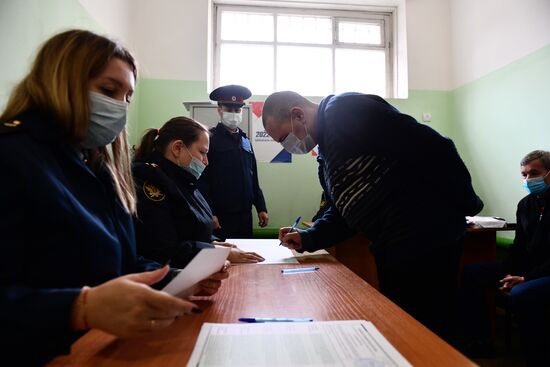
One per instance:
(67, 200)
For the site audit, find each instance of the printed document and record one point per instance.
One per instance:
(322, 343)
(205, 263)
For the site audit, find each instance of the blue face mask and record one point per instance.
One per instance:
(107, 119)
(195, 167)
(536, 185)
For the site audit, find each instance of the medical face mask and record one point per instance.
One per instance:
(232, 119)
(107, 119)
(195, 167)
(536, 185)
(294, 145)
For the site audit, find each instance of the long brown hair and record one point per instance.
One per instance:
(58, 84)
(177, 128)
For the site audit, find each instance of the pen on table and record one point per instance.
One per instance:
(293, 227)
(275, 319)
(299, 270)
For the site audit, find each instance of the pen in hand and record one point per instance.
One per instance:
(292, 227)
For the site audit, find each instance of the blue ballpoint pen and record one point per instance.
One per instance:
(293, 227)
(299, 270)
(275, 319)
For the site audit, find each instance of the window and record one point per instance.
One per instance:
(313, 52)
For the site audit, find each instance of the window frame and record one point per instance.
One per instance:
(339, 15)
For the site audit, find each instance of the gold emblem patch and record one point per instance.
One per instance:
(152, 192)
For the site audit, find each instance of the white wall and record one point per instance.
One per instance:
(429, 50)
(489, 34)
(169, 37)
(114, 16)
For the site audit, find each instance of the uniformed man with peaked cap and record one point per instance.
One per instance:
(230, 182)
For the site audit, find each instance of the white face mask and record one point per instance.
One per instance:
(294, 145)
(232, 119)
(107, 119)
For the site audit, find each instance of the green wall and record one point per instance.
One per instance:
(24, 25)
(497, 120)
(290, 189)
(494, 120)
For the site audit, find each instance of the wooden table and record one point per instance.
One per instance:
(331, 293)
(480, 246)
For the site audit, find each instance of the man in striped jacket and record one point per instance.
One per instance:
(397, 181)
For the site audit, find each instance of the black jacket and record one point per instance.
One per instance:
(230, 181)
(399, 182)
(62, 227)
(530, 253)
(174, 220)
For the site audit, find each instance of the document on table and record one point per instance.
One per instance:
(207, 262)
(268, 249)
(322, 343)
(487, 222)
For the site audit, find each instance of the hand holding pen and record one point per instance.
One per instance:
(289, 237)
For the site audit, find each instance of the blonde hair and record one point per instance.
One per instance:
(58, 84)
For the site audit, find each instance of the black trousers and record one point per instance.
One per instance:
(425, 286)
(235, 225)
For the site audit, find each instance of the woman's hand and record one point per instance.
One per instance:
(210, 285)
(292, 240)
(239, 256)
(216, 222)
(223, 244)
(128, 307)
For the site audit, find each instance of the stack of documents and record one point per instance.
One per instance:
(323, 343)
(487, 222)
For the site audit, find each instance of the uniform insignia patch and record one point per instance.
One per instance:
(152, 192)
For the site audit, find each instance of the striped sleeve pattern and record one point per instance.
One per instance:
(358, 181)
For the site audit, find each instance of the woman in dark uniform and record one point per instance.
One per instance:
(66, 200)
(174, 220)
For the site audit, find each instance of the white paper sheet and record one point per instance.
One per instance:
(487, 222)
(205, 263)
(324, 343)
(268, 249)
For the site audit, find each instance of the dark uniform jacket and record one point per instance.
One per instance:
(62, 227)
(388, 176)
(230, 181)
(530, 253)
(174, 220)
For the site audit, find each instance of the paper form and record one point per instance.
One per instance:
(268, 249)
(324, 343)
(205, 263)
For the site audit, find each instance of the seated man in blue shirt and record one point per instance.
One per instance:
(524, 276)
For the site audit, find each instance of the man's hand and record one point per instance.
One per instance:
(263, 219)
(292, 240)
(509, 281)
